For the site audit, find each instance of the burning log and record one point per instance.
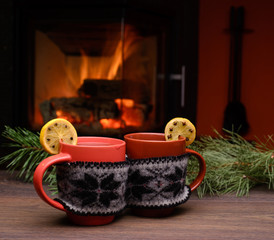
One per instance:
(100, 105)
(113, 89)
(78, 109)
(101, 89)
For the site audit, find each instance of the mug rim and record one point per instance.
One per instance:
(131, 136)
(113, 142)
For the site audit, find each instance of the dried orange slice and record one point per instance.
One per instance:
(57, 130)
(180, 127)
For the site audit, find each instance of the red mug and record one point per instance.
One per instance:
(164, 175)
(91, 179)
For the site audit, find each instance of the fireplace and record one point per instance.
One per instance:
(99, 76)
(108, 68)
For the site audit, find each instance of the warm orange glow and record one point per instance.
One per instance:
(83, 67)
(76, 69)
(61, 114)
(130, 115)
(111, 123)
(73, 119)
(129, 103)
(108, 66)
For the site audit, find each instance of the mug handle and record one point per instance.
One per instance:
(202, 169)
(39, 174)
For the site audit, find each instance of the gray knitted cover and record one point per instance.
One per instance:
(102, 189)
(90, 188)
(157, 182)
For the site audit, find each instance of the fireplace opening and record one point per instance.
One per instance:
(102, 88)
(109, 68)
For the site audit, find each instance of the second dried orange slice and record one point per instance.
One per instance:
(180, 127)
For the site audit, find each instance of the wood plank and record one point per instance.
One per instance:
(24, 215)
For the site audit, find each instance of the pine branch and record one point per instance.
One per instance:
(28, 155)
(234, 165)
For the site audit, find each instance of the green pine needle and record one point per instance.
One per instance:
(234, 165)
(28, 154)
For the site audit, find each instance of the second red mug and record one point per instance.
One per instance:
(156, 182)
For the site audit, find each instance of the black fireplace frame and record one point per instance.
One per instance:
(181, 45)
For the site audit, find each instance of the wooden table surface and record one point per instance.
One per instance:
(24, 215)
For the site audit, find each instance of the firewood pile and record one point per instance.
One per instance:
(97, 100)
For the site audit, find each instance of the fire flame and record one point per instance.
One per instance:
(76, 69)
(109, 66)
(130, 116)
(111, 123)
(73, 118)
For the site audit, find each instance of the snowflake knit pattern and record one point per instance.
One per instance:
(91, 188)
(157, 182)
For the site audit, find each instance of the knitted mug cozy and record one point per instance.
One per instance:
(157, 182)
(106, 188)
(91, 188)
